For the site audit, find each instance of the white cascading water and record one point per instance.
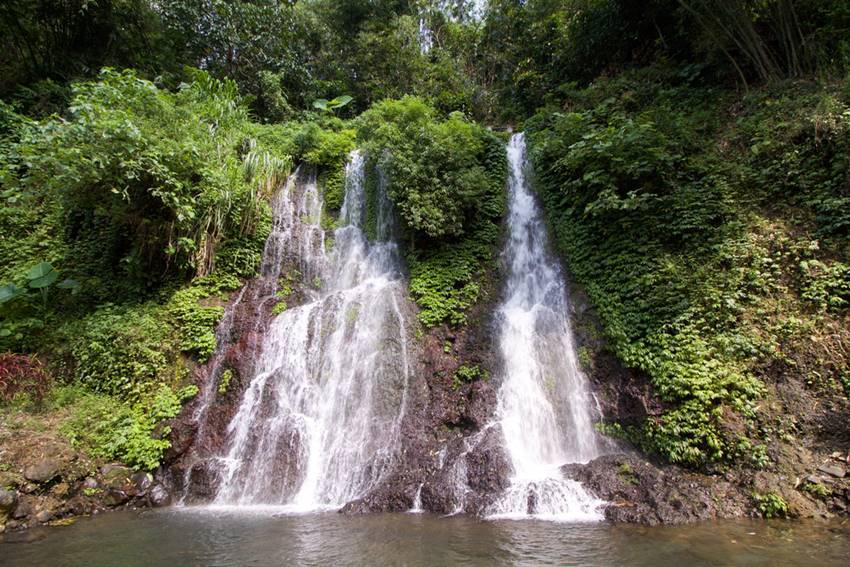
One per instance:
(319, 423)
(544, 403)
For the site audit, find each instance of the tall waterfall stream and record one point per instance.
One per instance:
(544, 404)
(319, 422)
(318, 425)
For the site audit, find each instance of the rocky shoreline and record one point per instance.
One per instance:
(54, 490)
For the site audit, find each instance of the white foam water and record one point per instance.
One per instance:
(319, 423)
(544, 403)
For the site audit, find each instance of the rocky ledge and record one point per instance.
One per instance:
(644, 492)
(55, 488)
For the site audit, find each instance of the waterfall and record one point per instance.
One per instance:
(426, 37)
(544, 403)
(319, 422)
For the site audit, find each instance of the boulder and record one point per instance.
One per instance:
(115, 497)
(638, 491)
(43, 470)
(79, 505)
(158, 496)
(25, 508)
(44, 516)
(8, 499)
(142, 481)
(115, 476)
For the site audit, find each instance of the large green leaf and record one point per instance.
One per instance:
(9, 292)
(42, 275)
(340, 101)
(321, 104)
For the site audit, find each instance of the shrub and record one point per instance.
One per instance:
(446, 179)
(124, 351)
(134, 434)
(22, 374)
(771, 505)
(466, 374)
(149, 182)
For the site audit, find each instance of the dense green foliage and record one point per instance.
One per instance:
(532, 52)
(446, 179)
(134, 192)
(664, 206)
(133, 434)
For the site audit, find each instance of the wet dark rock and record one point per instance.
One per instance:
(158, 496)
(438, 498)
(202, 483)
(638, 491)
(24, 508)
(391, 500)
(79, 505)
(141, 481)
(43, 470)
(488, 466)
(113, 498)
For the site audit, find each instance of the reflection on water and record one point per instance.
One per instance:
(228, 537)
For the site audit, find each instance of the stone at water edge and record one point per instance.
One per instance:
(44, 516)
(24, 508)
(159, 496)
(142, 481)
(115, 475)
(8, 499)
(115, 497)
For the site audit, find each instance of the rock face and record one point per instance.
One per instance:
(51, 490)
(638, 491)
(832, 470)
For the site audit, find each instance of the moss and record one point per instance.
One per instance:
(224, 381)
(466, 374)
(279, 307)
